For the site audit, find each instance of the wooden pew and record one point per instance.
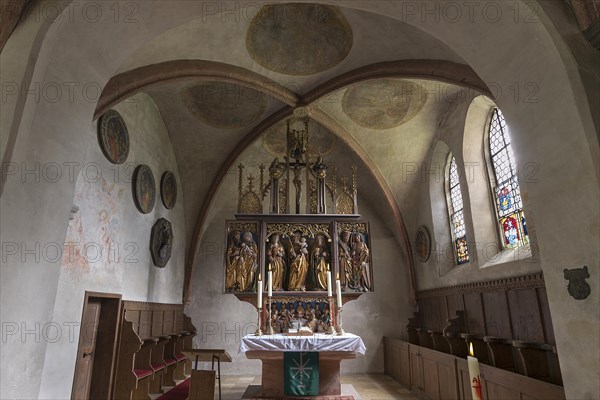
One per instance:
(479, 347)
(158, 365)
(133, 366)
(452, 332)
(501, 352)
(537, 360)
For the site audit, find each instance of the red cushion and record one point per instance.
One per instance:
(142, 373)
(170, 361)
(157, 367)
(179, 392)
(180, 357)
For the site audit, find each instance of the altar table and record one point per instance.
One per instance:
(332, 350)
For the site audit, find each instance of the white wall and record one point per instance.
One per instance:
(108, 238)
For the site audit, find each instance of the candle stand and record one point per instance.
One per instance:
(330, 330)
(269, 322)
(258, 330)
(338, 316)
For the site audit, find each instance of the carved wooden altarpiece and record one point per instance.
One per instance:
(309, 225)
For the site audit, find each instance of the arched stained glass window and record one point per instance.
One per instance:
(507, 194)
(457, 218)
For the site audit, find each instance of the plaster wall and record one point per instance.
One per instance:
(107, 239)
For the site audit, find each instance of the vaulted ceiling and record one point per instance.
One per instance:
(376, 90)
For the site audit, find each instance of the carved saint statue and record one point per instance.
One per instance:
(233, 258)
(319, 263)
(345, 261)
(276, 256)
(360, 264)
(299, 265)
(246, 267)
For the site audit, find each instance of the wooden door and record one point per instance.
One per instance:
(86, 351)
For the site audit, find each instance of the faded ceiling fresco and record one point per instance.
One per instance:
(225, 105)
(384, 104)
(299, 39)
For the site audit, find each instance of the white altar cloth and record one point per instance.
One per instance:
(318, 342)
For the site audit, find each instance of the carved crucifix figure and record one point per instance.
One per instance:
(298, 183)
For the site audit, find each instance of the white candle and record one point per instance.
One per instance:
(338, 288)
(329, 289)
(474, 376)
(270, 277)
(260, 289)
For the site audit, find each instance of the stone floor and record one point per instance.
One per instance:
(368, 387)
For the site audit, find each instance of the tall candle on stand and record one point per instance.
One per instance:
(329, 291)
(338, 288)
(474, 375)
(270, 280)
(260, 289)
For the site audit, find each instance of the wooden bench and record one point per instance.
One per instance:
(501, 352)
(133, 367)
(479, 347)
(452, 333)
(539, 361)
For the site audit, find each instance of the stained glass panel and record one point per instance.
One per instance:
(509, 206)
(457, 219)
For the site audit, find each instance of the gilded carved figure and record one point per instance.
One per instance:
(299, 265)
(233, 258)
(345, 261)
(276, 256)
(319, 263)
(360, 264)
(242, 262)
(246, 269)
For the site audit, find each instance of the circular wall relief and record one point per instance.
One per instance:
(113, 137)
(168, 189)
(423, 244)
(225, 105)
(144, 189)
(383, 103)
(299, 39)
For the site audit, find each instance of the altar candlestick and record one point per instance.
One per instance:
(260, 289)
(329, 291)
(338, 288)
(270, 277)
(476, 390)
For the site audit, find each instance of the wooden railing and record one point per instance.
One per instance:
(434, 374)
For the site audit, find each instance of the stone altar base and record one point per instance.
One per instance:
(348, 393)
(329, 373)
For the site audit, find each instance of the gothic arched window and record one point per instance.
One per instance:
(457, 218)
(507, 194)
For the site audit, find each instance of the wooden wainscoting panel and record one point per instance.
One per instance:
(495, 391)
(525, 316)
(431, 387)
(474, 314)
(145, 324)
(416, 369)
(404, 364)
(542, 298)
(168, 324)
(497, 320)
(157, 322)
(433, 375)
(455, 303)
